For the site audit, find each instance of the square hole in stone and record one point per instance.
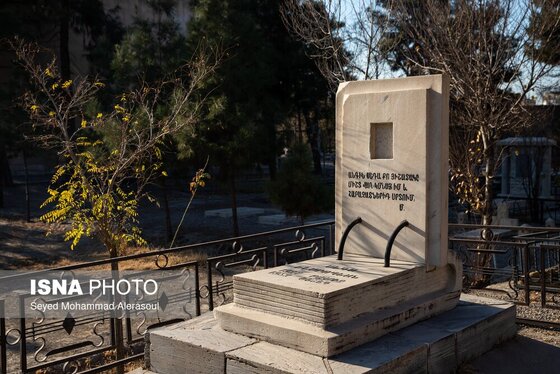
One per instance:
(381, 140)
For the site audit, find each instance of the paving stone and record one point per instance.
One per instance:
(194, 346)
(264, 357)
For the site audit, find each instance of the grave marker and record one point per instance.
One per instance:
(391, 167)
(392, 138)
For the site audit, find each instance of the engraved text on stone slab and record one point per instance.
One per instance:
(322, 275)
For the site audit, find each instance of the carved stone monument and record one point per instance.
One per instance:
(392, 269)
(392, 165)
(391, 172)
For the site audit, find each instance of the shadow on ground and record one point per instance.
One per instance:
(519, 355)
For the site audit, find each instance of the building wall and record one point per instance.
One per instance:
(126, 10)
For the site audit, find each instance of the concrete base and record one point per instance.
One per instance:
(241, 212)
(327, 292)
(276, 219)
(336, 339)
(325, 306)
(437, 345)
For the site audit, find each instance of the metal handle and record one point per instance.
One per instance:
(401, 226)
(345, 235)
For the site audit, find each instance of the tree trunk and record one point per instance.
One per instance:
(299, 130)
(272, 169)
(168, 226)
(3, 172)
(27, 197)
(312, 127)
(272, 154)
(489, 168)
(1, 189)
(117, 322)
(233, 193)
(64, 48)
(483, 259)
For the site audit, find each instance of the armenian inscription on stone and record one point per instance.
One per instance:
(382, 186)
(321, 275)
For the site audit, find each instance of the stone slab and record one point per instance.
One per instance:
(141, 371)
(475, 339)
(198, 344)
(328, 292)
(241, 212)
(264, 357)
(392, 152)
(447, 337)
(403, 350)
(437, 345)
(333, 340)
(390, 354)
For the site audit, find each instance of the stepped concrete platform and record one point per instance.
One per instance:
(437, 345)
(326, 292)
(325, 306)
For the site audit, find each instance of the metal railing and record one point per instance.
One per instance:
(526, 258)
(89, 343)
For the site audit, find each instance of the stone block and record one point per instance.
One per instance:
(333, 340)
(437, 345)
(268, 358)
(327, 292)
(390, 354)
(392, 165)
(195, 346)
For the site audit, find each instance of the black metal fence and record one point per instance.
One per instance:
(526, 259)
(98, 342)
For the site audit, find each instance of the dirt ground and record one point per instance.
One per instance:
(26, 244)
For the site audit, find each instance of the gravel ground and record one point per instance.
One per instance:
(531, 311)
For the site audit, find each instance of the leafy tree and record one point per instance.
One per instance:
(109, 159)
(253, 90)
(545, 28)
(492, 60)
(49, 23)
(397, 44)
(296, 189)
(149, 49)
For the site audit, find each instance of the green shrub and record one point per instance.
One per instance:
(296, 189)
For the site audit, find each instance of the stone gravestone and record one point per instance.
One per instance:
(391, 166)
(318, 315)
